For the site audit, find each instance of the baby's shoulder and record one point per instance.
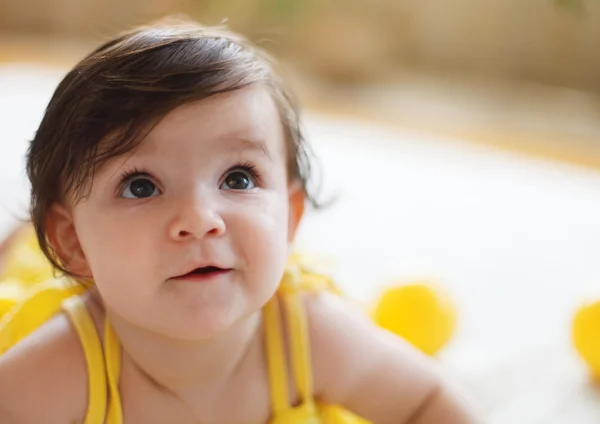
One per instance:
(43, 378)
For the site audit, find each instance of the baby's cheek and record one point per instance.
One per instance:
(260, 238)
(270, 229)
(274, 243)
(109, 251)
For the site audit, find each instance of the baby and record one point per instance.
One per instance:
(169, 176)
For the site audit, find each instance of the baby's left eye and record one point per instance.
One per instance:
(238, 180)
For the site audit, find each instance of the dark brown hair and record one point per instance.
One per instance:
(110, 100)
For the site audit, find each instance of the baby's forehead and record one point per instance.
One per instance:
(248, 114)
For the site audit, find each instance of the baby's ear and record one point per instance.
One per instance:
(297, 199)
(63, 239)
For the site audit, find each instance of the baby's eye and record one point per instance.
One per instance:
(238, 180)
(139, 189)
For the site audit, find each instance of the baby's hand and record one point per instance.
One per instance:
(374, 373)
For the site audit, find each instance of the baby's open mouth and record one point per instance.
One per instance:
(204, 272)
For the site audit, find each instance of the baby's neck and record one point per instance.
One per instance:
(180, 365)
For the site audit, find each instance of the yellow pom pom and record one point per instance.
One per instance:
(420, 313)
(10, 293)
(586, 336)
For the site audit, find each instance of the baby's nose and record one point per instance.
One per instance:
(197, 220)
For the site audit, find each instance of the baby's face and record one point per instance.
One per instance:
(207, 188)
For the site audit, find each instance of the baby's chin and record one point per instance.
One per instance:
(194, 311)
(204, 325)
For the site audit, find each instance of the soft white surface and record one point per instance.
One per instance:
(515, 241)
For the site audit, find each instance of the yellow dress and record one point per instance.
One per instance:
(103, 361)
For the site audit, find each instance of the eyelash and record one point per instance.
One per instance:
(248, 167)
(134, 173)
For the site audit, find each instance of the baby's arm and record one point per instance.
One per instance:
(374, 373)
(43, 378)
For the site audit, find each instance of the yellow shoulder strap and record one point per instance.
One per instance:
(300, 346)
(276, 359)
(112, 349)
(296, 280)
(92, 348)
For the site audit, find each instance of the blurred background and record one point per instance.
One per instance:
(462, 138)
(463, 66)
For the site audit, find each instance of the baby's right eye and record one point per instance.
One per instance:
(139, 188)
